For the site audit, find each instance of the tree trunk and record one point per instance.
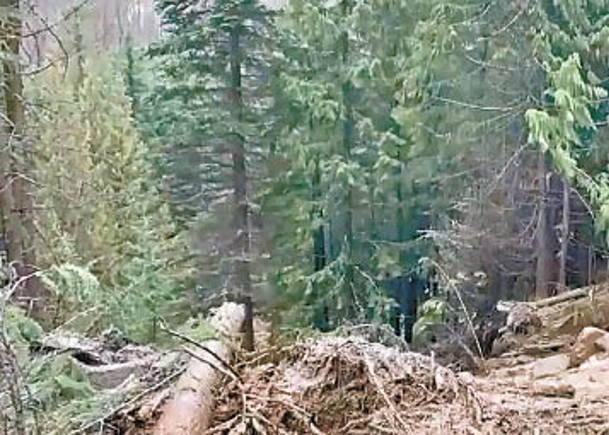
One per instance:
(15, 196)
(543, 248)
(348, 128)
(565, 234)
(321, 320)
(240, 213)
(591, 263)
(13, 229)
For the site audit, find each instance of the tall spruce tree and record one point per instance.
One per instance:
(213, 83)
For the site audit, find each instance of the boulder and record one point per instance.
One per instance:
(590, 341)
(603, 343)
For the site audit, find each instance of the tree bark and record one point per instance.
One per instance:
(15, 196)
(322, 320)
(239, 169)
(190, 411)
(13, 229)
(543, 249)
(348, 129)
(565, 234)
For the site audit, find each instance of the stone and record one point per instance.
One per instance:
(110, 376)
(590, 341)
(554, 389)
(603, 343)
(550, 366)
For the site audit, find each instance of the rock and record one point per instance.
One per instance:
(113, 339)
(603, 343)
(109, 376)
(590, 341)
(506, 341)
(550, 366)
(66, 341)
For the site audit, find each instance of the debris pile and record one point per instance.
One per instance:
(349, 385)
(345, 385)
(542, 383)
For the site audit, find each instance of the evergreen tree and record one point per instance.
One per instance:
(214, 79)
(99, 206)
(344, 156)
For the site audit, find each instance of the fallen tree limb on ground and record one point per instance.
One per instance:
(189, 411)
(563, 297)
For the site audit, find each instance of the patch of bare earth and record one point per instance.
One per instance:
(544, 396)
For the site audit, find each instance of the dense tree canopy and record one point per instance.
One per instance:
(336, 161)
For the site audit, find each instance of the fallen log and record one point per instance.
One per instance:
(189, 411)
(562, 318)
(572, 311)
(567, 296)
(568, 313)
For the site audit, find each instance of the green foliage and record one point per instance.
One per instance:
(431, 315)
(184, 106)
(569, 42)
(338, 72)
(365, 124)
(57, 386)
(197, 329)
(53, 384)
(106, 233)
(21, 330)
(191, 105)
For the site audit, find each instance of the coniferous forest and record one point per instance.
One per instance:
(304, 216)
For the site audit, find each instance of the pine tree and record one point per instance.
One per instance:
(567, 122)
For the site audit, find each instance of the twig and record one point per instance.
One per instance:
(201, 347)
(503, 171)
(73, 11)
(476, 106)
(390, 404)
(130, 402)
(54, 34)
(463, 306)
(10, 364)
(300, 412)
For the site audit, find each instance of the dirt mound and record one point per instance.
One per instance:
(345, 385)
